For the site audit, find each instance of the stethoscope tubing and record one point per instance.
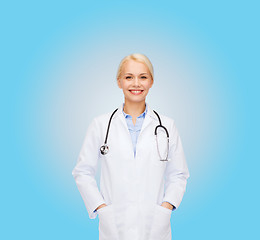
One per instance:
(109, 126)
(104, 148)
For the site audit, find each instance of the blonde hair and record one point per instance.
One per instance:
(138, 57)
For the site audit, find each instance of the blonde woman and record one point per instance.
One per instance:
(143, 168)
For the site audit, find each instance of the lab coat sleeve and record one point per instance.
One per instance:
(176, 173)
(85, 170)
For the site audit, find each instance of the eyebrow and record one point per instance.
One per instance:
(132, 74)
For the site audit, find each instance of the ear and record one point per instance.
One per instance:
(151, 83)
(119, 83)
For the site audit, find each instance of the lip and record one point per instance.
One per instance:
(140, 91)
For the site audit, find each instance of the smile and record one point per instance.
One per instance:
(136, 92)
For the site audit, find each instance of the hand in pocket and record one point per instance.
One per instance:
(107, 226)
(161, 226)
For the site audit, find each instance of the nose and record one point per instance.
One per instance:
(136, 81)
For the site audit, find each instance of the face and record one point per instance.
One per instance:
(135, 81)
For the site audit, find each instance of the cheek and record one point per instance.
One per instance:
(147, 86)
(120, 84)
(125, 86)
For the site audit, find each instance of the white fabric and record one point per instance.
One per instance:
(133, 188)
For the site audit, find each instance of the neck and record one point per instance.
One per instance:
(134, 108)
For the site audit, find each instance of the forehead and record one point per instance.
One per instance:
(134, 67)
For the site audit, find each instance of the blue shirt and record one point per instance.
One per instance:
(134, 129)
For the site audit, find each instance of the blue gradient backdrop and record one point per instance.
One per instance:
(58, 66)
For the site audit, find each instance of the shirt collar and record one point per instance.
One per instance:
(141, 115)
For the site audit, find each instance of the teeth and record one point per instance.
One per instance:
(136, 91)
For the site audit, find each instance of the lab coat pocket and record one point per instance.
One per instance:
(107, 225)
(161, 225)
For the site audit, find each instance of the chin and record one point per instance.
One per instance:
(135, 100)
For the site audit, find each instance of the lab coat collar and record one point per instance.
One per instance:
(150, 115)
(149, 112)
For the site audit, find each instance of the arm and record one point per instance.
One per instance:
(176, 173)
(85, 171)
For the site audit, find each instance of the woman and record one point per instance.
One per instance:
(141, 183)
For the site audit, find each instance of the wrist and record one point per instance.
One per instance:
(168, 205)
(100, 206)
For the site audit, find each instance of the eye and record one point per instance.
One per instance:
(143, 77)
(128, 77)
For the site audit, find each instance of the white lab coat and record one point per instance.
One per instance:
(132, 187)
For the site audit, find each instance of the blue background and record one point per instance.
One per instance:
(58, 66)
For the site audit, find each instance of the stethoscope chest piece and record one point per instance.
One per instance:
(104, 149)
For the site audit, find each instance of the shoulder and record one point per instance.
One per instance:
(103, 118)
(155, 114)
(166, 120)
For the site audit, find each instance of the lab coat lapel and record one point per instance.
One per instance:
(150, 115)
(119, 114)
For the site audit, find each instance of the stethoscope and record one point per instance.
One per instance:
(104, 148)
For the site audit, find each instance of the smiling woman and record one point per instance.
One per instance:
(135, 79)
(142, 179)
